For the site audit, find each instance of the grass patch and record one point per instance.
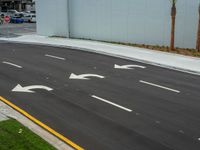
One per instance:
(15, 136)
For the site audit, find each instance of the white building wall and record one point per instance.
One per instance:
(52, 17)
(130, 21)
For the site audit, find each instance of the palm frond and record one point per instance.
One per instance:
(173, 2)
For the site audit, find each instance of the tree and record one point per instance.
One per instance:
(173, 22)
(198, 33)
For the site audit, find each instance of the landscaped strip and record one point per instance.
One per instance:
(15, 136)
(66, 140)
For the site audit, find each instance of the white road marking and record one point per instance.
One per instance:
(9, 63)
(181, 131)
(28, 89)
(159, 86)
(56, 57)
(111, 103)
(128, 66)
(84, 76)
(158, 122)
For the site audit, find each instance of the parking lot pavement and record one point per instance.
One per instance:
(15, 30)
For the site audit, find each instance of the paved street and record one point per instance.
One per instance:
(101, 102)
(15, 30)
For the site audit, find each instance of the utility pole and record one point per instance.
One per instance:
(20, 6)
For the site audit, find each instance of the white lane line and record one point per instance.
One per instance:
(9, 63)
(56, 57)
(159, 86)
(111, 103)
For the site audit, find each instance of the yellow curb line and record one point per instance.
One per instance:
(72, 144)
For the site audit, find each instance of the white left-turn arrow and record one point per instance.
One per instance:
(28, 89)
(84, 76)
(128, 66)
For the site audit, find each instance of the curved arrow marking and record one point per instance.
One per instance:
(128, 66)
(28, 89)
(84, 76)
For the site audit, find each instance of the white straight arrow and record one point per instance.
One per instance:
(28, 89)
(84, 76)
(128, 66)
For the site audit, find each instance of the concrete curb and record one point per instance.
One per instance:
(112, 55)
(3, 117)
(11, 113)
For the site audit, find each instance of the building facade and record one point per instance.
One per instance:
(19, 5)
(128, 21)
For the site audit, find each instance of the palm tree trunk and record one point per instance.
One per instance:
(173, 22)
(198, 33)
(198, 37)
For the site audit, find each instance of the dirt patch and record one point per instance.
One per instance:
(182, 51)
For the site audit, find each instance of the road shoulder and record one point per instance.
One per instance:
(5, 110)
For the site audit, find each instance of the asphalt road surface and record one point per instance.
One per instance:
(140, 107)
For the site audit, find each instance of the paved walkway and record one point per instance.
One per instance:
(11, 113)
(163, 59)
(2, 117)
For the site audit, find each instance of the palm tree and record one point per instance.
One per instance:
(173, 21)
(198, 33)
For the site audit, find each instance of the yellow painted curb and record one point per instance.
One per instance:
(72, 144)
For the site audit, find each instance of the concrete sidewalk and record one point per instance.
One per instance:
(6, 110)
(2, 117)
(163, 59)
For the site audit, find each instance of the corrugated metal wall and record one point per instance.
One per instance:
(52, 17)
(133, 21)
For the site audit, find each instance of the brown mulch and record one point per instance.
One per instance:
(182, 51)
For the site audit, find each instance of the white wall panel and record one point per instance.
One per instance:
(52, 17)
(134, 21)
(131, 21)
